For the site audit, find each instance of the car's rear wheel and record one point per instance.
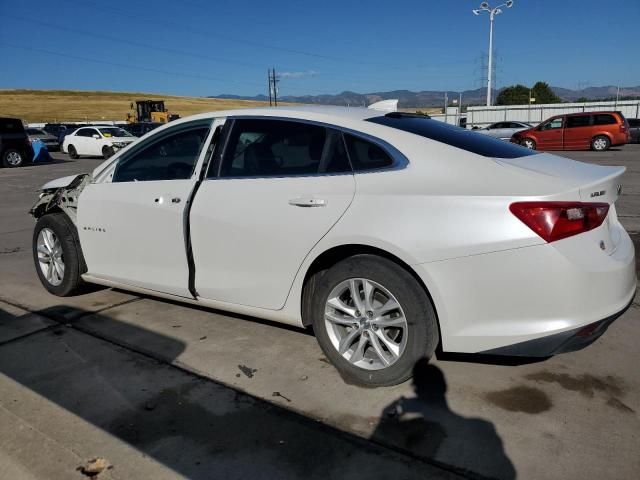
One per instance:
(107, 152)
(373, 320)
(529, 143)
(600, 143)
(57, 255)
(12, 158)
(72, 152)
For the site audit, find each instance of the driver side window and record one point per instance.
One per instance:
(552, 125)
(173, 157)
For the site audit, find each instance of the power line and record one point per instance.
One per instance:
(124, 65)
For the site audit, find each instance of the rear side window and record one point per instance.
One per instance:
(455, 136)
(11, 125)
(173, 157)
(634, 122)
(277, 148)
(365, 155)
(578, 121)
(604, 119)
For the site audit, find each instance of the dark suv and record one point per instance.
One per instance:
(15, 148)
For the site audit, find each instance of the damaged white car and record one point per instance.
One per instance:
(390, 234)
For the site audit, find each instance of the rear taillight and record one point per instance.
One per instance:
(623, 127)
(556, 220)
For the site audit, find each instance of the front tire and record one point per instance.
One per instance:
(57, 255)
(107, 152)
(529, 143)
(373, 320)
(12, 158)
(600, 143)
(72, 152)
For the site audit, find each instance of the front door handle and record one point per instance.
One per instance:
(308, 202)
(161, 200)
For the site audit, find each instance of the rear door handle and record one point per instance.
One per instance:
(308, 202)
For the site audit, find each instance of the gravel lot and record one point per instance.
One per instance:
(163, 390)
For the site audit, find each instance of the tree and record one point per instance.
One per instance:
(519, 94)
(542, 92)
(514, 95)
(582, 100)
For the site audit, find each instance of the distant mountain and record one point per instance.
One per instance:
(434, 98)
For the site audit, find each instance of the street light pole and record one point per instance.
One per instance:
(484, 7)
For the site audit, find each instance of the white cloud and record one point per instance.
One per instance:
(308, 73)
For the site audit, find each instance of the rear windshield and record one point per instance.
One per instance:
(11, 125)
(455, 136)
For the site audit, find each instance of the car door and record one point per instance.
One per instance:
(549, 135)
(278, 188)
(80, 140)
(577, 132)
(132, 224)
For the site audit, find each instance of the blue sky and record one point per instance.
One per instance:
(200, 47)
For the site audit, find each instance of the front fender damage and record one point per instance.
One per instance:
(62, 199)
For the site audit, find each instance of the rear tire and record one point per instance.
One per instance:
(12, 158)
(57, 255)
(72, 152)
(381, 345)
(600, 143)
(529, 143)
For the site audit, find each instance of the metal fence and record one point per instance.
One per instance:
(534, 114)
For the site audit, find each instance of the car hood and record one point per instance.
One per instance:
(121, 139)
(60, 182)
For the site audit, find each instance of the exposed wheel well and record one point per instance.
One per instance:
(336, 254)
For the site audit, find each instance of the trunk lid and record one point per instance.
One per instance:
(592, 183)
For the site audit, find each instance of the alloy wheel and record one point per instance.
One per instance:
(14, 159)
(366, 324)
(599, 144)
(50, 256)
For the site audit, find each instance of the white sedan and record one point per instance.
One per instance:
(97, 140)
(504, 130)
(389, 234)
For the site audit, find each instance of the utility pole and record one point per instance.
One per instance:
(269, 86)
(484, 7)
(446, 101)
(617, 98)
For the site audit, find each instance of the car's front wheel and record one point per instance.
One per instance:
(57, 255)
(107, 152)
(373, 320)
(528, 143)
(12, 158)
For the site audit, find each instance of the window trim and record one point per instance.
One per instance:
(399, 160)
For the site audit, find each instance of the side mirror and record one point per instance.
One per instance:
(96, 136)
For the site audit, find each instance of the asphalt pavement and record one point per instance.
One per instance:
(163, 390)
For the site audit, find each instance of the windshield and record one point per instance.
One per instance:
(35, 131)
(114, 132)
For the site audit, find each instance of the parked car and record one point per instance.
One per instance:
(68, 128)
(577, 131)
(503, 130)
(49, 141)
(140, 129)
(15, 148)
(97, 140)
(373, 228)
(634, 130)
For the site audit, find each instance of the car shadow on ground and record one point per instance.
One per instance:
(194, 426)
(427, 426)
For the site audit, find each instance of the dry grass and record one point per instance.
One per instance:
(73, 105)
